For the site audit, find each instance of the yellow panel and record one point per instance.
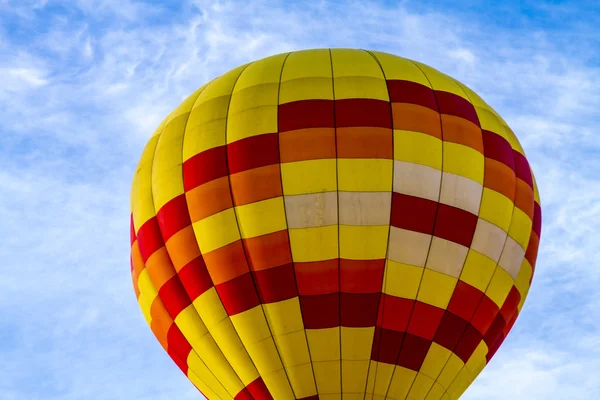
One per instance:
(435, 360)
(293, 349)
(234, 351)
(278, 385)
(312, 176)
(251, 122)
(436, 392)
(536, 192)
(168, 187)
(261, 217)
(523, 278)
(499, 287)
(306, 89)
(214, 359)
(168, 148)
(351, 62)
(402, 380)
(251, 325)
(145, 306)
(206, 391)
(216, 231)
(363, 242)
(201, 370)
(496, 208)
(142, 204)
(191, 325)
(354, 376)
(265, 356)
(266, 70)
(402, 280)
(382, 377)
(436, 288)
(460, 384)
(365, 175)
(328, 376)
(490, 122)
(210, 308)
(284, 316)
(478, 270)
(357, 343)
(314, 244)
(202, 135)
(400, 68)
(464, 161)
(441, 81)
(520, 227)
(303, 381)
(360, 87)
(146, 286)
(477, 361)
(222, 86)
(420, 387)
(324, 344)
(307, 64)
(450, 370)
(418, 148)
(254, 96)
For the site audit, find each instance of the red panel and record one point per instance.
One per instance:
(465, 300)
(498, 148)
(179, 348)
(455, 225)
(205, 167)
(413, 353)
(253, 152)
(425, 320)
(413, 213)
(359, 310)
(174, 296)
(259, 390)
(149, 238)
(322, 311)
(485, 314)
(511, 303)
(468, 343)
(195, 278)
(495, 330)
(238, 295)
(386, 345)
(532, 249)
(319, 277)
(394, 312)
(276, 284)
(363, 112)
(537, 220)
(306, 114)
(361, 276)
(450, 330)
(452, 104)
(132, 236)
(173, 217)
(522, 169)
(411, 92)
(244, 394)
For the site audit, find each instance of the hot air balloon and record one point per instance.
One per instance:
(333, 223)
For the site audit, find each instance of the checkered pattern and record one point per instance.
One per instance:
(333, 222)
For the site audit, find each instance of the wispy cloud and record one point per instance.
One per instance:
(85, 82)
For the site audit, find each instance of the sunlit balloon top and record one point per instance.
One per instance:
(333, 222)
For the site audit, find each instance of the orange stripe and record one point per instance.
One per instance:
(364, 142)
(160, 268)
(412, 117)
(269, 251)
(226, 263)
(524, 198)
(307, 144)
(256, 184)
(461, 131)
(161, 322)
(182, 247)
(209, 198)
(499, 177)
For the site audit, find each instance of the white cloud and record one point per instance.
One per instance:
(81, 97)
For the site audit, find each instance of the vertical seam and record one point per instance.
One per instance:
(384, 280)
(240, 233)
(287, 228)
(337, 192)
(432, 236)
(198, 244)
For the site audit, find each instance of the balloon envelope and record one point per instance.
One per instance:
(329, 223)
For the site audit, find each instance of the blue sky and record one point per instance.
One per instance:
(83, 83)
